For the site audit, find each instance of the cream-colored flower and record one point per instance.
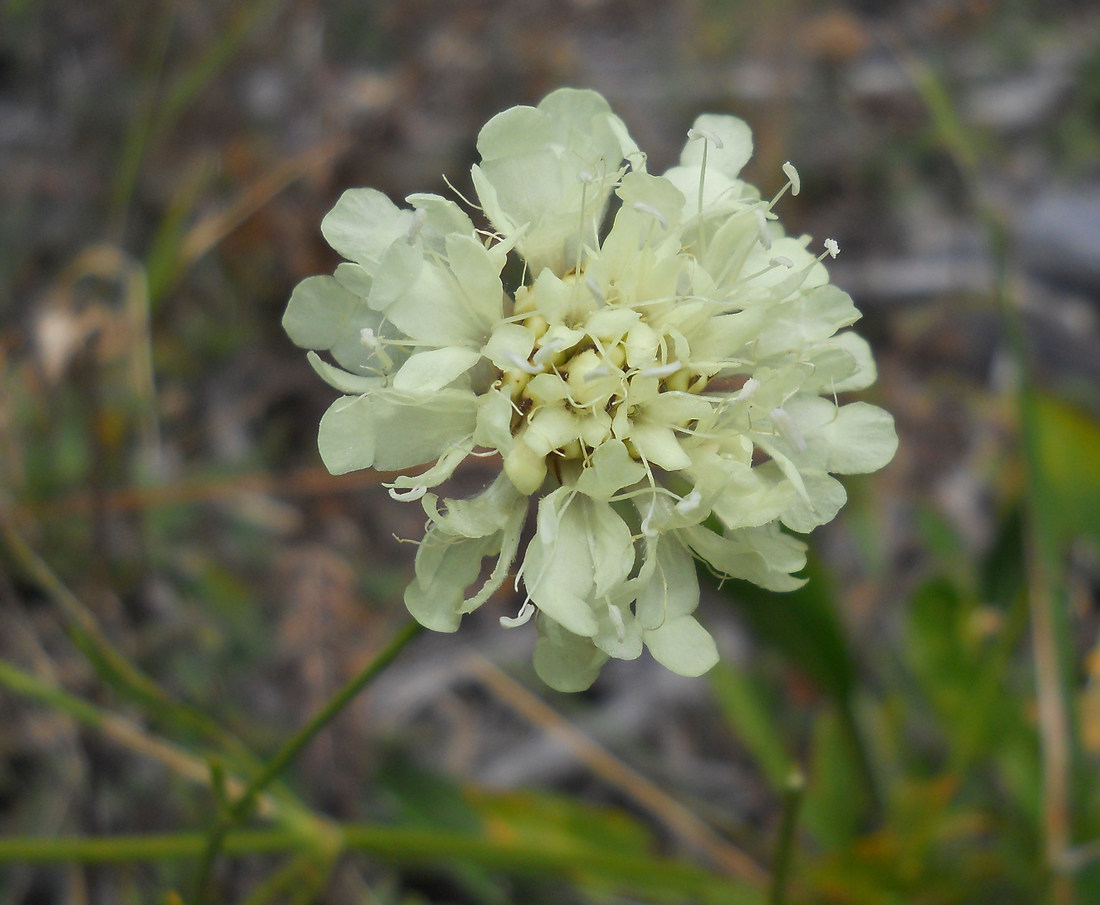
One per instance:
(663, 382)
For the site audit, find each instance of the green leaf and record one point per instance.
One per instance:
(803, 626)
(1069, 463)
(754, 718)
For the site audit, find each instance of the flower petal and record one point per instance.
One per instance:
(732, 133)
(683, 646)
(389, 430)
(565, 661)
(363, 224)
(426, 372)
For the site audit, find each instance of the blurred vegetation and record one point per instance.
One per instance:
(187, 601)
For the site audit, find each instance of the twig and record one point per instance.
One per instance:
(612, 770)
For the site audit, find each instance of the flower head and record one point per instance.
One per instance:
(662, 382)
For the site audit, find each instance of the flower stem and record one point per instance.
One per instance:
(784, 845)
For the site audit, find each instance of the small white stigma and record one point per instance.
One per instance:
(617, 621)
(597, 373)
(594, 288)
(694, 134)
(782, 261)
(647, 523)
(787, 429)
(523, 365)
(689, 503)
(419, 217)
(762, 227)
(370, 340)
(747, 391)
(410, 495)
(586, 176)
(642, 208)
(832, 247)
(792, 174)
(660, 371)
(545, 353)
(521, 618)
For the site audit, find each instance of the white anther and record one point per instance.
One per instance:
(418, 219)
(660, 371)
(410, 495)
(521, 618)
(689, 503)
(787, 429)
(371, 341)
(547, 352)
(782, 261)
(594, 288)
(617, 621)
(747, 391)
(832, 247)
(642, 208)
(597, 373)
(522, 364)
(708, 135)
(586, 177)
(762, 227)
(792, 174)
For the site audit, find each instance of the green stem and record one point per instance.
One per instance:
(784, 845)
(242, 807)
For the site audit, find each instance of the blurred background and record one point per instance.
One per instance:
(164, 168)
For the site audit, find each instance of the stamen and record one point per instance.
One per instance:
(647, 523)
(689, 503)
(369, 339)
(832, 247)
(420, 216)
(782, 261)
(523, 365)
(642, 208)
(617, 621)
(747, 391)
(693, 134)
(521, 618)
(586, 177)
(792, 174)
(660, 371)
(787, 429)
(762, 227)
(594, 288)
(597, 373)
(547, 352)
(410, 495)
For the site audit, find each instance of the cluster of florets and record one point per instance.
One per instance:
(663, 381)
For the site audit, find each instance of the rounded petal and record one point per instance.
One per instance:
(565, 661)
(727, 141)
(363, 224)
(389, 430)
(683, 646)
